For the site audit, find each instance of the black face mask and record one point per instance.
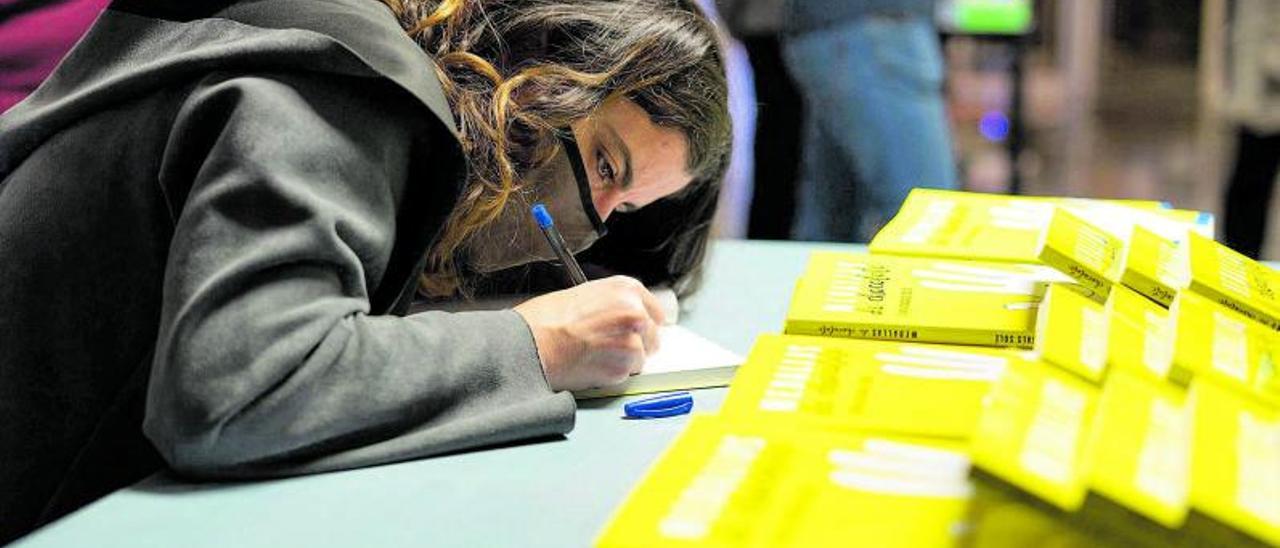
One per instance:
(515, 239)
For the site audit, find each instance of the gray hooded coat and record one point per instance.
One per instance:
(211, 220)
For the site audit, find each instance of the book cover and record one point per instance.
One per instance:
(1140, 337)
(1234, 281)
(1072, 332)
(1033, 431)
(964, 225)
(1086, 253)
(1139, 448)
(858, 295)
(1216, 343)
(1235, 448)
(727, 483)
(858, 385)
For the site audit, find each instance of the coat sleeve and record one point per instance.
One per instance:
(268, 361)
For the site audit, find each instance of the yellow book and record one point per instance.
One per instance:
(993, 227)
(1086, 253)
(1235, 475)
(1234, 281)
(964, 225)
(1154, 266)
(1139, 448)
(1140, 337)
(1119, 217)
(859, 385)
(857, 295)
(1071, 332)
(1033, 430)
(1226, 347)
(726, 483)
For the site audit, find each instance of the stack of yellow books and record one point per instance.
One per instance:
(991, 227)
(1163, 338)
(1105, 361)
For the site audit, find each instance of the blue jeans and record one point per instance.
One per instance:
(875, 125)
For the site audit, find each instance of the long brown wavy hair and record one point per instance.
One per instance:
(517, 73)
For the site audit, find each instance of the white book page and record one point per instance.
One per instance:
(681, 349)
(684, 360)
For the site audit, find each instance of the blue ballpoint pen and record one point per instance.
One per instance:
(548, 226)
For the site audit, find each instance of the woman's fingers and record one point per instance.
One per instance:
(596, 333)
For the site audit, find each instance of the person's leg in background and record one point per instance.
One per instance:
(875, 86)
(777, 141)
(826, 190)
(1249, 190)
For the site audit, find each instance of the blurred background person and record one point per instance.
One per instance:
(870, 73)
(757, 24)
(735, 192)
(1254, 105)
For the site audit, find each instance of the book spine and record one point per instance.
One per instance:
(1000, 338)
(1091, 280)
(1150, 288)
(1243, 308)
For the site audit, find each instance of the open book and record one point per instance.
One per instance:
(684, 359)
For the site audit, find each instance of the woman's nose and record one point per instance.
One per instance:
(606, 201)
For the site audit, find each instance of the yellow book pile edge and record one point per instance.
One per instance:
(729, 483)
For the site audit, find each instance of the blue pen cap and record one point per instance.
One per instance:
(666, 405)
(541, 215)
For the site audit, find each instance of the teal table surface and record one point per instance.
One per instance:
(557, 492)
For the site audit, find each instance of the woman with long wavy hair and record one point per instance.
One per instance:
(213, 219)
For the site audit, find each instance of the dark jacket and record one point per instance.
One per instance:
(209, 219)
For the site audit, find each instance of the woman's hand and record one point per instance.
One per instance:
(595, 334)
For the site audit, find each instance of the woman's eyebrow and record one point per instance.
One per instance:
(617, 142)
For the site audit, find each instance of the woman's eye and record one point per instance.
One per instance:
(605, 170)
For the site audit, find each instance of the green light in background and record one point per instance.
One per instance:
(992, 16)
